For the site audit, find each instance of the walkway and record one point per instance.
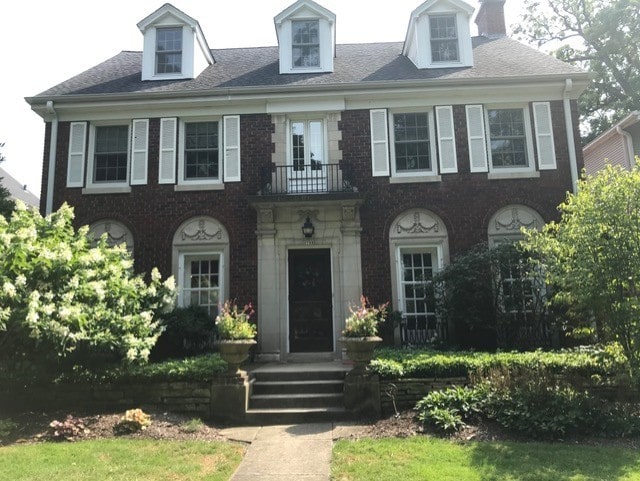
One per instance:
(284, 453)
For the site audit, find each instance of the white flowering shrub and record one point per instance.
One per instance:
(60, 292)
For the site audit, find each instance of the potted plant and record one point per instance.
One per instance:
(360, 334)
(236, 334)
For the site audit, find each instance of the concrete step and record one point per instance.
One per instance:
(299, 375)
(264, 417)
(292, 401)
(298, 387)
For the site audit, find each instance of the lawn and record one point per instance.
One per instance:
(426, 459)
(120, 460)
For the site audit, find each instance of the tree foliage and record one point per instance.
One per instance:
(600, 36)
(592, 256)
(61, 293)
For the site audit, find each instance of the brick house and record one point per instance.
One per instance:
(301, 176)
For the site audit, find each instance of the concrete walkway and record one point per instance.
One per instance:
(293, 452)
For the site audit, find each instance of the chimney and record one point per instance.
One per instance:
(490, 19)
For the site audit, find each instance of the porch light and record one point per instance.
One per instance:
(307, 228)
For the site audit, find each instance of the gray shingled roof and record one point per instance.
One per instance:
(18, 190)
(355, 64)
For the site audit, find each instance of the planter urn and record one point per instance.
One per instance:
(360, 350)
(234, 352)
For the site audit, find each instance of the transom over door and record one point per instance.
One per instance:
(310, 301)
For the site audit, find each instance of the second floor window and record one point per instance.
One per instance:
(412, 146)
(201, 151)
(508, 138)
(111, 153)
(444, 38)
(306, 44)
(169, 50)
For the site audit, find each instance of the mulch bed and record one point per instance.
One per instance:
(33, 427)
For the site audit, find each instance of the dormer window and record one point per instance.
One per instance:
(439, 35)
(444, 38)
(169, 50)
(306, 43)
(174, 46)
(306, 38)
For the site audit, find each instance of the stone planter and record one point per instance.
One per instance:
(360, 350)
(234, 352)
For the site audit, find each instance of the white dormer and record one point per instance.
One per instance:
(306, 37)
(439, 35)
(174, 45)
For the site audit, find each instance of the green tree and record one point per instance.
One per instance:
(592, 257)
(6, 203)
(600, 36)
(61, 292)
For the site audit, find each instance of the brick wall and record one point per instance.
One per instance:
(153, 212)
(464, 201)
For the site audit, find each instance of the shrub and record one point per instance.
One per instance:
(67, 430)
(133, 420)
(188, 331)
(450, 409)
(60, 294)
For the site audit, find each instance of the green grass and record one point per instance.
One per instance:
(430, 459)
(120, 460)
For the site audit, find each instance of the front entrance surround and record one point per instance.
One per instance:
(337, 229)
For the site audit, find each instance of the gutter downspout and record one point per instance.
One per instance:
(628, 143)
(571, 143)
(53, 145)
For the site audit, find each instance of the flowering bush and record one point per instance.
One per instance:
(132, 421)
(68, 430)
(364, 319)
(233, 323)
(60, 292)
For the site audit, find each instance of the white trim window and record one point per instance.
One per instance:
(201, 280)
(200, 156)
(443, 32)
(305, 44)
(169, 50)
(108, 155)
(412, 137)
(416, 267)
(509, 140)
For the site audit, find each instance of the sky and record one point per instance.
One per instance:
(47, 42)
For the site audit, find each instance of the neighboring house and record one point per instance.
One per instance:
(18, 191)
(301, 176)
(617, 146)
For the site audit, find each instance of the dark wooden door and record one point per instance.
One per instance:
(310, 306)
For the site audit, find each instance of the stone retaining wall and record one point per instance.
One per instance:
(407, 392)
(187, 397)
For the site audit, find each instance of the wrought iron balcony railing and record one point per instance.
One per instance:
(316, 178)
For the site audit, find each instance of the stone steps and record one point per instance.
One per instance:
(296, 393)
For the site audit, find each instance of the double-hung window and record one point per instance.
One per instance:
(201, 151)
(413, 150)
(111, 154)
(444, 38)
(169, 50)
(200, 155)
(510, 142)
(202, 281)
(306, 43)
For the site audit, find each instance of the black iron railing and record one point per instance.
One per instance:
(419, 331)
(316, 178)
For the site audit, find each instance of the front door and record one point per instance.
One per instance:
(310, 306)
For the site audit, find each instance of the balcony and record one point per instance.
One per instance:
(316, 178)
